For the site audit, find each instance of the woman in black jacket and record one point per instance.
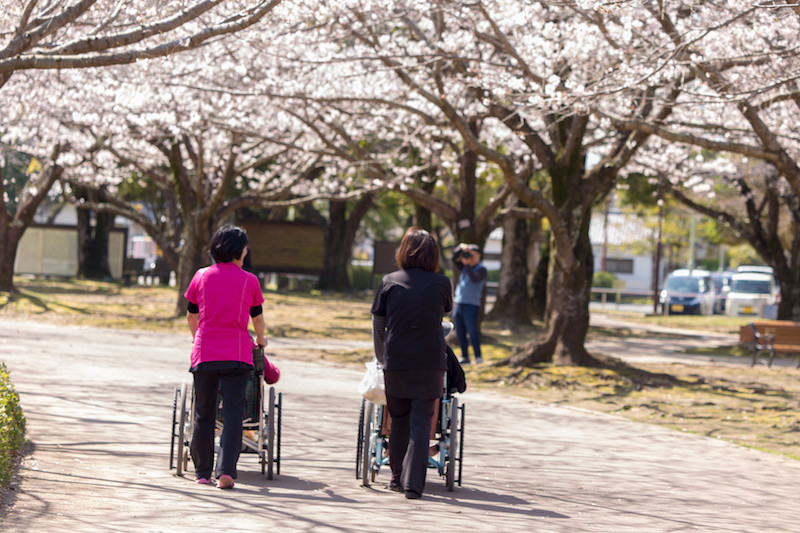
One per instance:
(407, 316)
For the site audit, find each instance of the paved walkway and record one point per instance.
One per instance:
(99, 405)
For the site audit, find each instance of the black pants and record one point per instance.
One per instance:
(232, 385)
(409, 441)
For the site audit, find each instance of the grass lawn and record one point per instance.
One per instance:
(756, 407)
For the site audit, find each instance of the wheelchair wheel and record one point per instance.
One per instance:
(359, 441)
(175, 397)
(367, 448)
(261, 445)
(271, 433)
(179, 467)
(450, 472)
(461, 444)
(279, 410)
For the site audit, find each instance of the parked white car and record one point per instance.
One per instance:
(750, 292)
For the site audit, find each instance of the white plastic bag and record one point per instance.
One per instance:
(371, 386)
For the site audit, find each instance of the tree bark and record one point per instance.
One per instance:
(93, 242)
(12, 226)
(538, 265)
(190, 259)
(340, 231)
(336, 256)
(9, 241)
(512, 304)
(567, 313)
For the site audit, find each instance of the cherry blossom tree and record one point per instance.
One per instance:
(93, 33)
(741, 99)
(14, 219)
(512, 82)
(87, 33)
(203, 156)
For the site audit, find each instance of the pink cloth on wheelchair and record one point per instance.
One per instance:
(224, 293)
(271, 372)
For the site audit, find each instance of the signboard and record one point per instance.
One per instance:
(383, 257)
(292, 247)
(50, 250)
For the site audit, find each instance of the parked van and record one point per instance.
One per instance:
(750, 292)
(722, 286)
(688, 292)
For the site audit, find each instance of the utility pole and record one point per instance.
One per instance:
(692, 239)
(657, 254)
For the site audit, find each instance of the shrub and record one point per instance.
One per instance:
(360, 277)
(603, 280)
(12, 426)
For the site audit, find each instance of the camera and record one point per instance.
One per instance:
(465, 254)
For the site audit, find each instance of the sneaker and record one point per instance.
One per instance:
(478, 360)
(394, 486)
(202, 481)
(225, 481)
(464, 361)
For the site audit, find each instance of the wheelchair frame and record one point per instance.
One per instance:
(267, 426)
(372, 443)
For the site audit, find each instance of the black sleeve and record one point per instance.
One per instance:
(378, 336)
(255, 311)
(478, 274)
(447, 290)
(192, 308)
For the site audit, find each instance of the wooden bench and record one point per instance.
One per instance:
(773, 336)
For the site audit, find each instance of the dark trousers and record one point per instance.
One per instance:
(409, 441)
(465, 317)
(232, 385)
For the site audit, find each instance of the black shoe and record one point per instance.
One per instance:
(411, 495)
(394, 486)
(464, 361)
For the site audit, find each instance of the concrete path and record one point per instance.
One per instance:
(99, 406)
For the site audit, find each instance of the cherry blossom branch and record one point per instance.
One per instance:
(15, 60)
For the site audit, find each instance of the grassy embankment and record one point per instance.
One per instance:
(756, 407)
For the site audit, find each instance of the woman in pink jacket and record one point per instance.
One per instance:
(222, 299)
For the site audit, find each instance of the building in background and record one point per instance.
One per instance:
(620, 240)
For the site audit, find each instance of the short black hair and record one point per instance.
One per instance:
(228, 243)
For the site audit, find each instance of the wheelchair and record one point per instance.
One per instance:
(261, 427)
(448, 430)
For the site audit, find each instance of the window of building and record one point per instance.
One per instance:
(620, 266)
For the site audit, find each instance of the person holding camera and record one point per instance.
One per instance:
(471, 277)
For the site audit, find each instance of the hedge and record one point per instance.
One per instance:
(12, 426)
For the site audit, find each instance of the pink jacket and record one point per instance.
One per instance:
(224, 293)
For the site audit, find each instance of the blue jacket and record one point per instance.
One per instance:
(470, 285)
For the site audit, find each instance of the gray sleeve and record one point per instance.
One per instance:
(378, 335)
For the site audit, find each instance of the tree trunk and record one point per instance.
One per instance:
(511, 305)
(334, 264)
(93, 244)
(340, 234)
(567, 313)
(9, 241)
(12, 227)
(539, 266)
(423, 217)
(191, 258)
